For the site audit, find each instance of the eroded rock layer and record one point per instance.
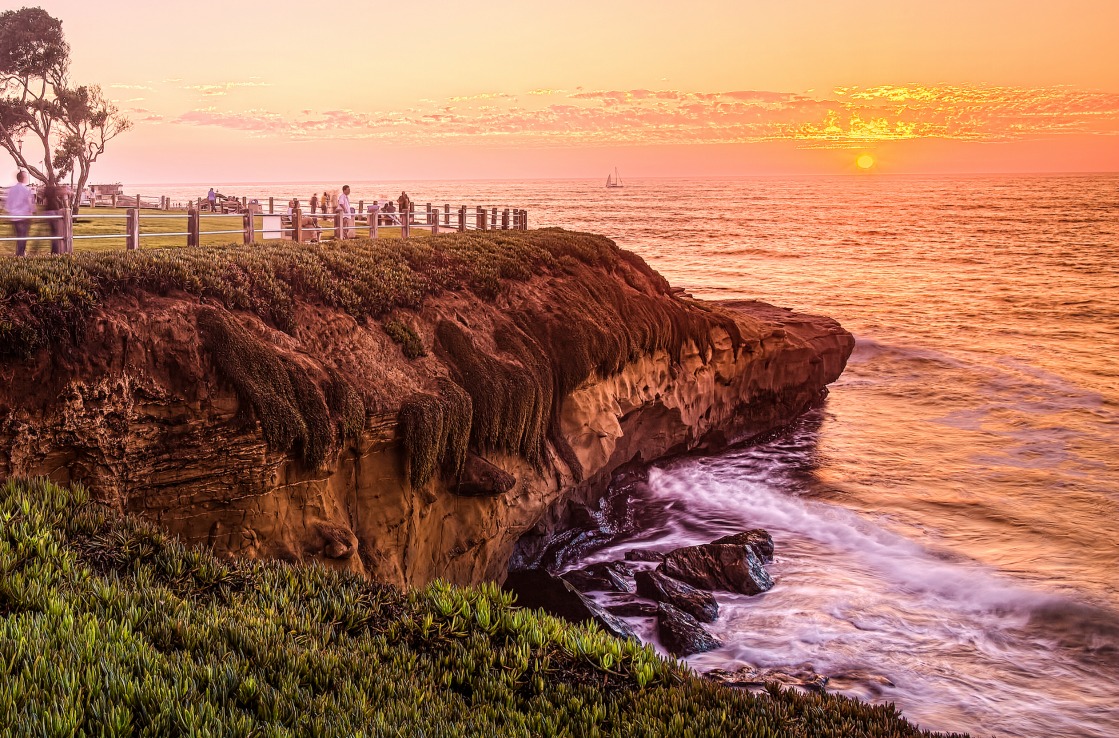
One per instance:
(310, 435)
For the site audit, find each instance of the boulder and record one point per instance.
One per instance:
(633, 609)
(609, 576)
(660, 588)
(480, 478)
(537, 589)
(643, 554)
(681, 634)
(725, 566)
(757, 539)
(751, 676)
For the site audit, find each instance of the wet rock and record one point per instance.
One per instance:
(611, 576)
(757, 539)
(633, 609)
(682, 634)
(751, 676)
(480, 478)
(537, 589)
(642, 554)
(725, 566)
(660, 588)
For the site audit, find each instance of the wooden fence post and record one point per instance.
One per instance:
(250, 228)
(67, 231)
(297, 225)
(132, 229)
(447, 214)
(505, 219)
(462, 219)
(374, 216)
(405, 222)
(480, 218)
(194, 225)
(339, 220)
(428, 221)
(271, 206)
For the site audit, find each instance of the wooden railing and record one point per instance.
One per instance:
(297, 225)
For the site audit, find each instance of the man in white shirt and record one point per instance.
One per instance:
(343, 207)
(20, 205)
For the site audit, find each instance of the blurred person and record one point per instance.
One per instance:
(20, 205)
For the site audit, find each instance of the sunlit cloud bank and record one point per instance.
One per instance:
(845, 117)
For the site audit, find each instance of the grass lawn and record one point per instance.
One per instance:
(177, 223)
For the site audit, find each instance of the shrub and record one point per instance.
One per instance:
(110, 627)
(404, 335)
(289, 405)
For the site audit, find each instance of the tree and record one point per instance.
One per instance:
(68, 126)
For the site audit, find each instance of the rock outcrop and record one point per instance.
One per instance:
(714, 566)
(297, 429)
(660, 588)
(681, 634)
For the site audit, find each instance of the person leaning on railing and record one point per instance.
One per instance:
(20, 205)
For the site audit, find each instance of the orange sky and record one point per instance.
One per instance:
(329, 90)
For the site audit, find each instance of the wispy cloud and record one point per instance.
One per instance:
(224, 88)
(843, 117)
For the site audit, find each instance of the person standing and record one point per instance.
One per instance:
(212, 198)
(53, 203)
(343, 207)
(325, 202)
(20, 205)
(405, 204)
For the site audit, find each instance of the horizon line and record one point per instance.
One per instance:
(861, 175)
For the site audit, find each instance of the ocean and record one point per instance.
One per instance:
(947, 521)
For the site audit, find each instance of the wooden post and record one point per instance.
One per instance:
(462, 219)
(505, 219)
(447, 214)
(480, 218)
(137, 202)
(428, 221)
(374, 216)
(339, 219)
(192, 224)
(360, 207)
(271, 206)
(67, 231)
(435, 224)
(132, 229)
(250, 228)
(405, 222)
(297, 225)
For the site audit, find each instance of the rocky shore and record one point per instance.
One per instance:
(449, 410)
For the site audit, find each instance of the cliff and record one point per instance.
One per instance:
(404, 411)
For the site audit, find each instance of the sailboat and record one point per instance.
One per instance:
(613, 180)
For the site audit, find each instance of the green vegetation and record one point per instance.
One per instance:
(403, 334)
(109, 627)
(45, 299)
(291, 408)
(587, 323)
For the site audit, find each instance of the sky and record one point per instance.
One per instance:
(290, 91)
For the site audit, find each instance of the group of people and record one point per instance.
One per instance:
(339, 202)
(19, 204)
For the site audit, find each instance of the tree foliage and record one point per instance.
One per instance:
(49, 126)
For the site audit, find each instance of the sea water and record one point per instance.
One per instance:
(947, 522)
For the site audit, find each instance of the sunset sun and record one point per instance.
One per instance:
(865, 162)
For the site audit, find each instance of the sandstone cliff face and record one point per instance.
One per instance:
(137, 412)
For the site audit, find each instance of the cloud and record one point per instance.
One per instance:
(223, 88)
(844, 117)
